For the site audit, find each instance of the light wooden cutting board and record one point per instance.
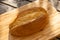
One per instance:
(52, 29)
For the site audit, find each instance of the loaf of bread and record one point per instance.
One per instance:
(29, 22)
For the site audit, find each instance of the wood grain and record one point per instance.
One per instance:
(51, 30)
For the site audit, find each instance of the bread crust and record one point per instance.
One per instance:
(29, 22)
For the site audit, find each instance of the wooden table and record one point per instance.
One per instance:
(51, 30)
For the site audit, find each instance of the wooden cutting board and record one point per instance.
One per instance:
(52, 29)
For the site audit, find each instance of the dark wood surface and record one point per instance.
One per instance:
(12, 4)
(8, 5)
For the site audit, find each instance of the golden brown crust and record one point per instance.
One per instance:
(29, 22)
